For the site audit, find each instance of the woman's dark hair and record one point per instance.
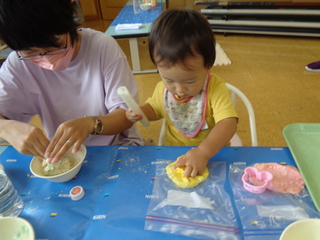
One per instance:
(178, 34)
(26, 24)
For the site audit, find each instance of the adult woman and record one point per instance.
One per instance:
(63, 74)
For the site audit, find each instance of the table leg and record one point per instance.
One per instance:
(134, 50)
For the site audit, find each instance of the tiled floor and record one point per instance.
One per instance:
(269, 70)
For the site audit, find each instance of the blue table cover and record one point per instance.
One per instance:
(118, 186)
(127, 15)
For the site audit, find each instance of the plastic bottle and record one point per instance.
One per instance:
(136, 6)
(10, 201)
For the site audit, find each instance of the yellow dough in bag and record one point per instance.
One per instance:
(178, 177)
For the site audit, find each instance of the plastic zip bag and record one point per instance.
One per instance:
(264, 216)
(204, 211)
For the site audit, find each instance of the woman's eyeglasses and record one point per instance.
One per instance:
(40, 55)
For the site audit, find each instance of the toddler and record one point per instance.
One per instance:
(196, 104)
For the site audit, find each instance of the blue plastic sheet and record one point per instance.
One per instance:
(118, 193)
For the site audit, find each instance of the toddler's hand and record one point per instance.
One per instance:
(133, 117)
(195, 162)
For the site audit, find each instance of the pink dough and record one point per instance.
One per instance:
(286, 179)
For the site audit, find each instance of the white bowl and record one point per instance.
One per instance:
(145, 6)
(306, 229)
(37, 169)
(16, 228)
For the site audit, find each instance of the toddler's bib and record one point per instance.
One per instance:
(187, 115)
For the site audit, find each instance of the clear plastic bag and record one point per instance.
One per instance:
(264, 216)
(204, 211)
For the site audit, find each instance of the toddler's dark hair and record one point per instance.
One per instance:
(178, 34)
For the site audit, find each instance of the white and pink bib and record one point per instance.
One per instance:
(187, 115)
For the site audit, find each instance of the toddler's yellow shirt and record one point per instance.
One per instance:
(219, 107)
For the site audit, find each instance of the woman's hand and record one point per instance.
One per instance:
(195, 161)
(25, 138)
(70, 133)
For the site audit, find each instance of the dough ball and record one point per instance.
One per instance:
(286, 179)
(178, 177)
